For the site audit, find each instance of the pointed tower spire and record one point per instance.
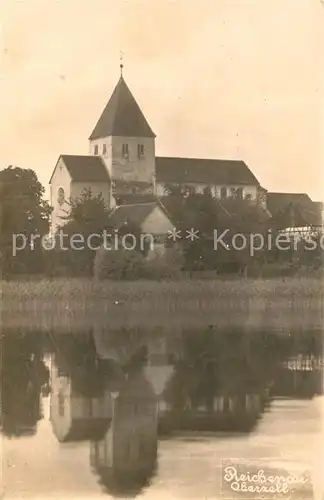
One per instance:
(122, 116)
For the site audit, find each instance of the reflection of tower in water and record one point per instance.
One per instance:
(125, 456)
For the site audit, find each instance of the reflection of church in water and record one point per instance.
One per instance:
(121, 390)
(122, 412)
(115, 411)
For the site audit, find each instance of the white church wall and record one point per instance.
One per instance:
(61, 179)
(97, 188)
(157, 223)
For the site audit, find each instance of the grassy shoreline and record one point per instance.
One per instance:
(72, 305)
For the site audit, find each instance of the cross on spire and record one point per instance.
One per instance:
(121, 57)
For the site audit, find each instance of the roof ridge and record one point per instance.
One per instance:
(81, 156)
(204, 171)
(159, 201)
(289, 194)
(199, 159)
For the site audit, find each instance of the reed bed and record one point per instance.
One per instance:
(75, 305)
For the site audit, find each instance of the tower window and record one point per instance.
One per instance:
(104, 149)
(140, 148)
(96, 149)
(125, 151)
(223, 192)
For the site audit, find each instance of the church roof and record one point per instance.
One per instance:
(122, 116)
(204, 171)
(86, 168)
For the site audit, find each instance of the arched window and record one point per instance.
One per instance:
(96, 149)
(60, 196)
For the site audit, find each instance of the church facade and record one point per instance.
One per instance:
(121, 164)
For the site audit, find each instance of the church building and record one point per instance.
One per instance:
(121, 164)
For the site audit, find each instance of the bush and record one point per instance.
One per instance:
(163, 265)
(131, 265)
(118, 264)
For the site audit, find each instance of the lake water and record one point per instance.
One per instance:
(79, 419)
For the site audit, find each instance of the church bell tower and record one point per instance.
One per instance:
(126, 143)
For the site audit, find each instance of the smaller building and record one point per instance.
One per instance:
(79, 410)
(163, 351)
(149, 217)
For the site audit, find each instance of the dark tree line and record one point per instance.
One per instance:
(24, 212)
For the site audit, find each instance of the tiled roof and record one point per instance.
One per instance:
(205, 171)
(294, 209)
(122, 116)
(85, 168)
(277, 202)
(135, 213)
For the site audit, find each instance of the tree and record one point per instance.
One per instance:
(250, 223)
(80, 234)
(201, 213)
(238, 218)
(24, 212)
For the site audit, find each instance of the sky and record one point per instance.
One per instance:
(236, 79)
